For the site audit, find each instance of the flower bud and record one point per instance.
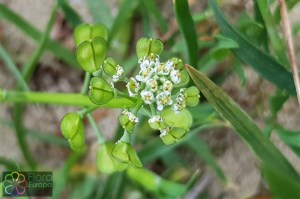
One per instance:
(157, 123)
(91, 53)
(183, 119)
(191, 96)
(133, 87)
(128, 121)
(106, 163)
(85, 32)
(124, 152)
(72, 129)
(100, 91)
(146, 47)
(178, 64)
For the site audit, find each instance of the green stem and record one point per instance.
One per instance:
(69, 99)
(31, 65)
(86, 83)
(152, 109)
(13, 68)
(99, 134)
(126, 137)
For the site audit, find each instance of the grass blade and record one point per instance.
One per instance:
(243, 124)
(100, 12)
(187, 27)
(265, 65)
(57, 49)
(71, 15)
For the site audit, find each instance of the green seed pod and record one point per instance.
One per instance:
(177, 63)
(178, 133)
(192, 96)
(183, 119)
(124, 152)
(90, 54)
(157, 123)
(126, 124)
(106, 163)
(100, 91)
(145, 47)
(72, 129)
(168, 139)
(184, 79)
(85, 32)
(110, 66)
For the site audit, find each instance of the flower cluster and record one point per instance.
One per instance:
(155, 82)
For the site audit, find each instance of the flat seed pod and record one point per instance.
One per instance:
(146, 46)
(100, 91)
(85, 32)
(90, 54)
(183, 119)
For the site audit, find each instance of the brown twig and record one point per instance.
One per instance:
(290, 46)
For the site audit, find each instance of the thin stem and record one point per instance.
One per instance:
(99, 134)
(31, 65)
(152, 109)
(138, 106)
(126, 137)
(290, 46)
(68, 99)
(13, 68)
(86, 82)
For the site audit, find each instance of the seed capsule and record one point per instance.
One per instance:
(183, 119)
(72, 129)
(191, 96)
(124, 152)
(106, 163)
(85, 32)
(146, 47)
(90, 54)
(100, 91)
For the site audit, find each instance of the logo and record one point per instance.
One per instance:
(19, 183)
(14, 184)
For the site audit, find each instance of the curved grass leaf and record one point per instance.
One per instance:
(57, 49)
(243, 124)
(265, 65)
(186, 25)
(71, 15)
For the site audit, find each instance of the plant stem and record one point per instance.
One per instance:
(99, 134)
(86, 82)
(13, 68)
(61, 99)
(290, 45)
(126, 137)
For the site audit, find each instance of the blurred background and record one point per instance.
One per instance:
(128, 21)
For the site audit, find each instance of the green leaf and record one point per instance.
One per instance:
(277, 101)
(204, 153)
(187, 27)
(242, 123)
(57, 49)
(71, 15)
(100, 12)
(265, 65)
(291, 138)
(281, 186)
(221, 49)
(276, 41)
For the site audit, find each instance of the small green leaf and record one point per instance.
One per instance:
(91, 54)
(221, 49)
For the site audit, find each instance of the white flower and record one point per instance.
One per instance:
(119, 73)
(131, 116)
(175, 76)
(167, 86)
(133, 87)
(163, 99)
(163, 69)
(164, 132)
(155, 118)
(180, 102)
(144, 74)
(147, 96)
(152, 85)
(146, 63)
